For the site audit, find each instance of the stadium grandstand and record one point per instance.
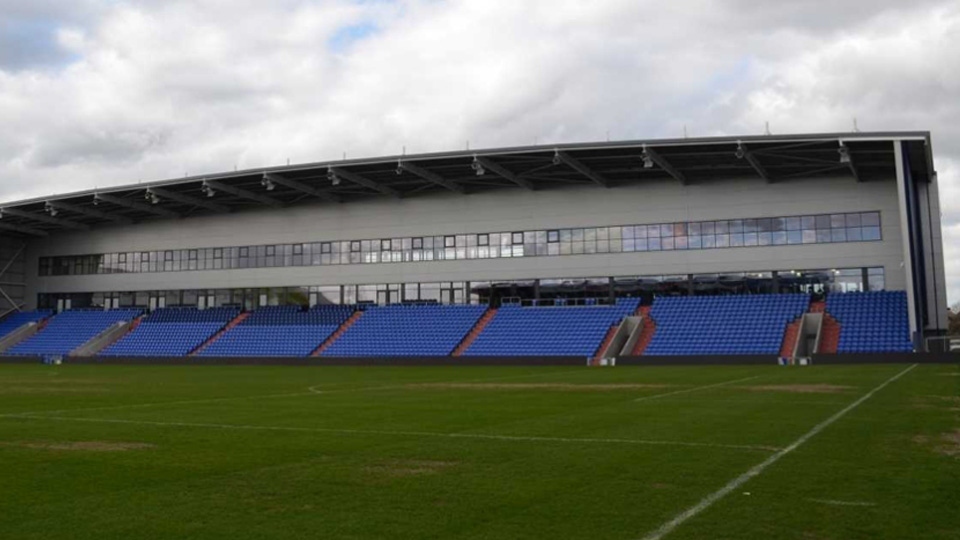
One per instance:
(763, 245)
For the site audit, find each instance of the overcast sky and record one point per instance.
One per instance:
(95, 93)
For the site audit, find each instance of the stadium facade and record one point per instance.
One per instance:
(798, 213)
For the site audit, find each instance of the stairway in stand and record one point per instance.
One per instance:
(595, 361)
(646, 335)
(236, 320)
(475, 332)
(339, 332)
(829, 331)
(790, 337)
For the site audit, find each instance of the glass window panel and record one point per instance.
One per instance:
(666, 231)
(853, 220)
(553, 236)
(794, 237)
(871, 233)
(708, 227)
(764, 239)
(823, 236)
(722, 227)
(709, 241)
(793, 223)
(808, 222)
(681, 242)
(779, 238)
(589, 235)
(517, 238)
(578, 235)
(639, 231)
(750, 239)
(667, 244)
(809, 236)
(736, 239)
(854, 234)
(870, 219)
(695, 242)
(653, 231)
(839, 235)
(723, 240)
(641, 244)
(736, 226)
(823, 222)
(693, 229)
(629, 245)
(837, 221)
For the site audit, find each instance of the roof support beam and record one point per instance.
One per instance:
(576, 165)
(186, 199)
(365, 182)
(243, 193)
(745, 153)
(431, 177)
(44, 219)
(666, 166)
(300, 186)
(22, 230)
(134, 205)
(88, 212)
(502, 172)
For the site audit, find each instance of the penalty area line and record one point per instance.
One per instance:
(709, 500)
(696, 388)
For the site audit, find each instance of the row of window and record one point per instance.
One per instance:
(489, 292)
(821, 229)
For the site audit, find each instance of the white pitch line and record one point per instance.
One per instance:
(709, 500)
(696, 388)
(247, 427)
(834, 502)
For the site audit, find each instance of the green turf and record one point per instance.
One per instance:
(475, 452)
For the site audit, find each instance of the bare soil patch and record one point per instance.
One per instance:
(800, 388)
(401, 468)
(565, 387)
(87, 446)
(948, 444)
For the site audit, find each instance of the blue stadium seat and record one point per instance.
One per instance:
(71, 329)
(172, 332)
(407, 330)
(17, 319)
(871, 321)
(708, 325)
(549, 331)
(280, 331)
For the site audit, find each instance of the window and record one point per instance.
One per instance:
(298, 249)
(218, 253)
(192, 255)
(244, 252)
(553, 236)
(355, 246)
(449, 241)
(385, 245)
(483, 240)
(418, 243)
(271, 251)
(167, 256)
(325, 247)
(517, 238)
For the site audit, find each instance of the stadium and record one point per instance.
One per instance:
(490, 252)
(499, 343)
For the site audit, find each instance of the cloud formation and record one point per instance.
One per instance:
(104, 92)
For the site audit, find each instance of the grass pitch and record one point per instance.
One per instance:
(479, 452)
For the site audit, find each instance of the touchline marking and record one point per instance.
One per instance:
(396, 433)
(317, 389)
(696, 388)
(708, 501)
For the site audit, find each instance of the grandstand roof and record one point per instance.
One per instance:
(768, 158)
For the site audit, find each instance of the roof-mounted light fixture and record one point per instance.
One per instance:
(844, 153)
(647, 160)
(477, 166)
(268, 184)
(50, 209)
(207, 190)
(741, 153)
(399, 167)
(151, 196)
(556, 156)
(332, 177)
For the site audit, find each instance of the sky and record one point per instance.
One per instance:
(98, 93)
